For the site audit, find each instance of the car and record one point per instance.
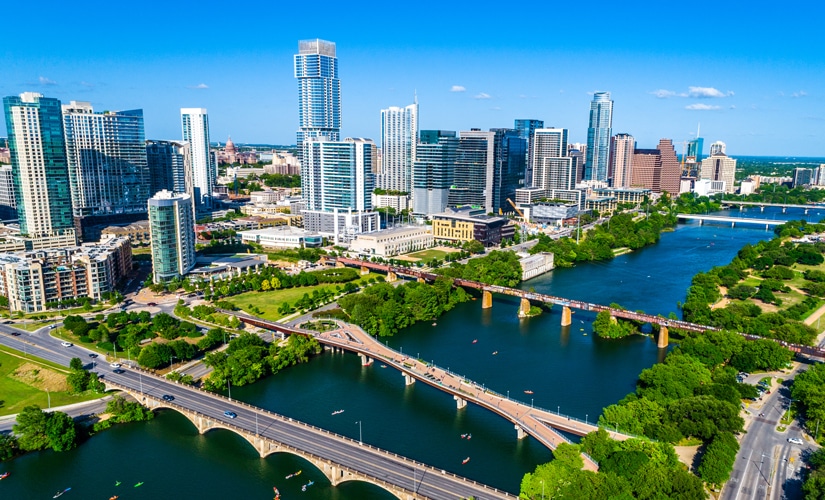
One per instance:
(15, 334)
(92, 355)
(151, 304)
(118, 371)
(795, 441)
(230, 414)
(66, 344)
(167, 397)
(114, 365)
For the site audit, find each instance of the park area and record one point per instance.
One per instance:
(432, 253)
(25, 380)
(268, 305)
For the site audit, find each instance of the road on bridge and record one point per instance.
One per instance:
(425, 481)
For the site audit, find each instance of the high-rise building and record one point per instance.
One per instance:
(621, 159)
(8, 206)
(195, 123)
(717, 148)
(399, 133)
(599, 132)
(694, 149)
(172, 233)
(801, 176)
(526, 128)
(39, 166)
(433, 170)
(552, 168)
(510, 151)
(170, 167)
(319, 91)
(338, 174)
(657, 169)
(720, 167)
(474, 170)
(108, 173)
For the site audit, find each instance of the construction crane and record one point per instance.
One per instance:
(521, 214)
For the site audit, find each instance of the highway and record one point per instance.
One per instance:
(768, 465)
(426, 481)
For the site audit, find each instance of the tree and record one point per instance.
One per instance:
(717, 462)
(76, 364)
(8, 447)
(61, 431)
(31, 429)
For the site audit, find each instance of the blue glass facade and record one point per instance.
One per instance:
(526, 128)
(598, 137)
(108, 171)
(319, 91)
(39, 165)
(434, 167)
(510, 152)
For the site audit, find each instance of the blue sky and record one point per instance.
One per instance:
(754, 79)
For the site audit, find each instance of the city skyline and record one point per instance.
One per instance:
(742, 87)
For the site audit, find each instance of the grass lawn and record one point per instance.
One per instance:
(428, 254)
(30, 327)
(24, 381)
(269, 302)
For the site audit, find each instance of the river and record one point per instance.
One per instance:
(569, 370)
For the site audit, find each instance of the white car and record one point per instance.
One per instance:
(795, 441)
(114, 365)
(66, 344)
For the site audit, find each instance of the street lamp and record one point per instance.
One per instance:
(48, 395)
(172, 362)
(585, 418)
(558, 410)
(229, 389)
(360, 440)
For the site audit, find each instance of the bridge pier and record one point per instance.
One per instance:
(520, 434)
(486, 299)
(524, 308)
(806, 211)
(365, 360)
(421, 280)
(701, 222)
(733, 224)
(664, 337)
(338, 263)
(408, 379)
(460, 402)
(762, 208)
(783, 209)
(566, 316)
(365, 270)
(391, 276)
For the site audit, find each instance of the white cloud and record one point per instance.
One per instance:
(801, 93)
(482, 95)
(87, 84)
(663, 94)
(701, 107)
(199, 86)
(46, 81)
(707, 92)
(457, 88)
(496, 108)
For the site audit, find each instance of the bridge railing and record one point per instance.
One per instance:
(418, 465)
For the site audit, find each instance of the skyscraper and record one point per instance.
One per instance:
(598, 137)
(621, 159)
(399, 133)
(172, 232)
(657, 169)
(721, 167)
(474, 169)
(39, 166)
(552, 168)
(338, 174)
(319, 91)
(170, 166)
(510, 151)
(8, 205)
(108, 173)
(195, 123)
(433, 170)
(526, 127)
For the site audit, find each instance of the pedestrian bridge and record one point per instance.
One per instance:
(542, 424)
(762, 205)
(731, 220)
(339, 458)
